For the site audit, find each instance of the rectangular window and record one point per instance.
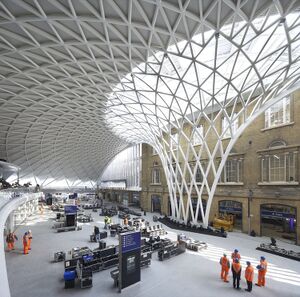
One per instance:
(264, 169)
(199, 177)
(174, 141)
(278, 114)
(279, 167)
(233, 171)
(156, 176)
(198, 135)
(228, 128)
(176, 175)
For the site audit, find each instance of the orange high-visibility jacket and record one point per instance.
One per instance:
(224, 262)
(263, 265)
(236, 267)
(249, 273)
(235, 256)
(25, 239)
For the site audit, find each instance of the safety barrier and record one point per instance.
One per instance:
(9, 201)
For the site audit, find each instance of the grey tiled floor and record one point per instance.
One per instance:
(190, 274)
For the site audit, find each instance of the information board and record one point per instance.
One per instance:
(129, 259)
(71, 209)
(130, 241)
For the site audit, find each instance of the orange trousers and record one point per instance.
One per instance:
(25, 249)
(29, 244)
(261, 278)
(10, 246)
(224, 273)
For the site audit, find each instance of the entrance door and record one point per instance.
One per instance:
(278, 221)
(155, 203)
(232, 208)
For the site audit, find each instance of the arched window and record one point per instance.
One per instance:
(277, 143)
(278, 164)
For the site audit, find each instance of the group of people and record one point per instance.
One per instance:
(236, 270)
(11, 238)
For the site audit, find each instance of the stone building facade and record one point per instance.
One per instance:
(260, 181)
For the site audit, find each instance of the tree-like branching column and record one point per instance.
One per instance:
(228, 74)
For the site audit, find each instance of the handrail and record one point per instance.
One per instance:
(13, 201)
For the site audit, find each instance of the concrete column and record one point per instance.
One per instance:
(255, 218)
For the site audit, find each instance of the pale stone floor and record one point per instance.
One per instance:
(191, 274)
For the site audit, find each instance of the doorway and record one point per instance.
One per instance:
(232, 208)
(279, 221)
(155, 203)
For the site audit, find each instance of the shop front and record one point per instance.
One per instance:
(232, 210)
(278, 221)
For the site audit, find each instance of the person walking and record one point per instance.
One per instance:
(225, 265)
(10, 240)
(105, 222)
(25, 243)
(236, 269)
(97, 233)
(29, 233)
(262, 270)
(249, 274)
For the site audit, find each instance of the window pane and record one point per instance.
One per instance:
(278, 114)
(174, 141)
(198, 135)
(225, 125)
(277, 168)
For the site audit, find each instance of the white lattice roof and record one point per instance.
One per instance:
(62, 60)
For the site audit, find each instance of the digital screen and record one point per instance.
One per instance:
(131, 264)
(130, 241)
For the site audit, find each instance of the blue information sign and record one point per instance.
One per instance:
(71, 209)
(130, 241)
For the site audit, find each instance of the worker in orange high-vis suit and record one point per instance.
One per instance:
(25, 243)
(262, 270)
(10, 240)
(249, 274)
(225, 265)
(29, 234)
(236, 269)
(235, 255)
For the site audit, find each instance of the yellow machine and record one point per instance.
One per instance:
(225, 221)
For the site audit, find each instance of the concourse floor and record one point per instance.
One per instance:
(191, 274)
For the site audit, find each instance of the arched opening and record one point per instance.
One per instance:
(279, 221)
(155, 203)
(232, 209)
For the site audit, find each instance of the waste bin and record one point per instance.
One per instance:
(69, 277)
